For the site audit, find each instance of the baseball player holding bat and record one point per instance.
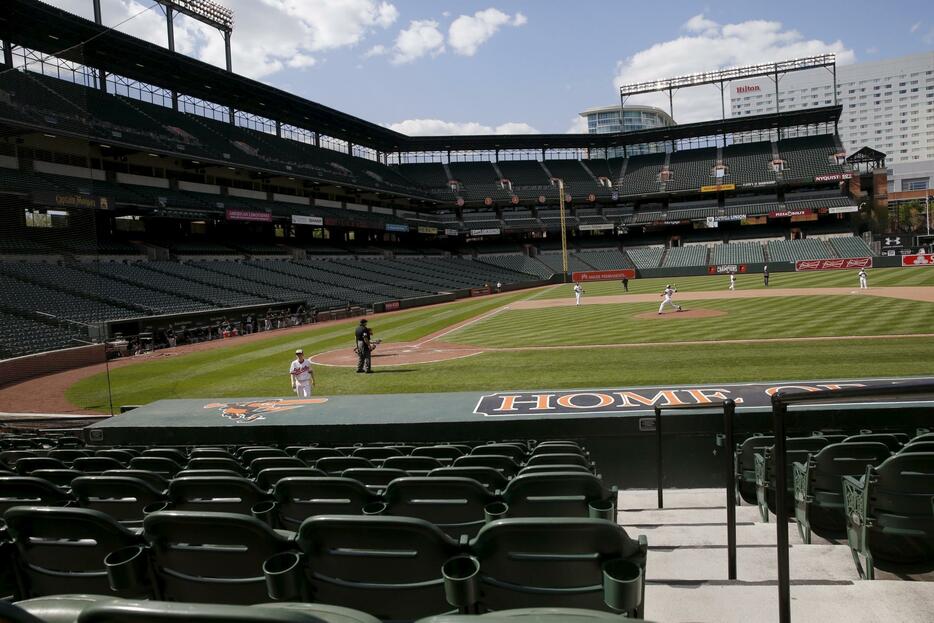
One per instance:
(666, 299)
(301, 375)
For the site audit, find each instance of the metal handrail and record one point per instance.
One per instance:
(729, 414)
(780, 402)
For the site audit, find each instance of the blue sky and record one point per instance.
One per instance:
(513, 66)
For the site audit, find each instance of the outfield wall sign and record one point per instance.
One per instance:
(833, 177)
(72, 200)
(493, 231)
(726, 268)
(611, 401)
(248, 215)
(595, 226)
(918, 259)
(715, 188)
(301, 219)
(604, 275)
(842, 209)
(848, 263)
(788, 213)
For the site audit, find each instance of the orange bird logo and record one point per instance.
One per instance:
(244, 412)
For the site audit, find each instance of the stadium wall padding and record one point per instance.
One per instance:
(32, 366)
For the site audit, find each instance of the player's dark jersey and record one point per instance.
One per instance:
(362, 333)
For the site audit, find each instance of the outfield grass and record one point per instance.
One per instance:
(745, 319)
(260, 368)
(878, 277)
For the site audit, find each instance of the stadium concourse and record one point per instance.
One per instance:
(157, 211)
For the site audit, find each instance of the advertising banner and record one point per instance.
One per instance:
(848, 263)
(595, 226)
(721, 269)
(301, 219)
(248, 215)
(842, 209)
(787, 213)
(604, 275)
(425, 229)
(397, 227)
(918, 259)
(715, 188)
(485, 232)
(72, 200)
(832, 177)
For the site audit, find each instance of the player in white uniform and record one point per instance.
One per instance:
(578, 291)
(667, 294)
(732, 281)
(301, 375)
(863, 279)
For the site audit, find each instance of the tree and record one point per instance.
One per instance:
(909, 216)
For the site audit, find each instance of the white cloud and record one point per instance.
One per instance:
(577, 125)
(914, 27)
(422, 37)
(714, 46)
(699, 23)
(433, 127)
(300, 61)
(376, 50)
(468, 32)
(303, 29)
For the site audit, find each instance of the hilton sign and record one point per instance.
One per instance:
(748, 88)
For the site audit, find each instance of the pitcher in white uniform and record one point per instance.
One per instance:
(666, 300)
(863, 279)
(578, 291)
(301, 375)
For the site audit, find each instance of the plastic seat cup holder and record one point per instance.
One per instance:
(155, 507)
(461, 580)
(265, 511)
(494, 511)
(128, 570)
(622, 584)
(602, 509)
(374, 508)
(285, 580)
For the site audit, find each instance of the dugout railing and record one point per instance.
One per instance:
(781, 401)
(728, 407)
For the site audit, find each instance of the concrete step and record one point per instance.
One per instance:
(856, 602)
(647, 499)
(753, 564)
(744, 514)
(715, 535)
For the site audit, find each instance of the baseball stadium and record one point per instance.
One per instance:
(678, 373)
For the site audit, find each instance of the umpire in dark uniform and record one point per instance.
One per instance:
(364, 347)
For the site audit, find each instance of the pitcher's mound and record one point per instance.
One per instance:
(397, 354)
(687, 313)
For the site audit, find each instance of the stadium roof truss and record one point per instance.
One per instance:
(58, 35)
(722, 77)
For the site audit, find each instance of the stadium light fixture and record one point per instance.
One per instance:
(210, 13)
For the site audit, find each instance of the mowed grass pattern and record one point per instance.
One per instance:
(878, 277)
(259, 368)
(745, 319)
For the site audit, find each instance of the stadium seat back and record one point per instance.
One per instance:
(389, 567)
(376, 453)
(487, 476)
(209, 453)
(917, 446)
(119, 454)
(844, 459)
(158, 481)
(68, 455)
(8, 458)
(174, 454)
(558, 448)
(554, 494)
(120, 497)
(445, 454)
(208, 473)
(224, 463)
(501, 463)
(414, 465)
(301, 498)
(160, 465)
(29, 464)
(374, 478)
(334, 465)
(267, 478)
(247, 456)
(221, 494)
(538, 469)
(311, 455)
(892, 441)
(269, 462)
(558, 459)
(544, 562)
(96, 464)
(62, 550)
(514, 452)
(211, 557)
(29, 491)
(456, 505)
(58, 477)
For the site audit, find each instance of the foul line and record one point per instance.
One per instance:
(461, 325)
